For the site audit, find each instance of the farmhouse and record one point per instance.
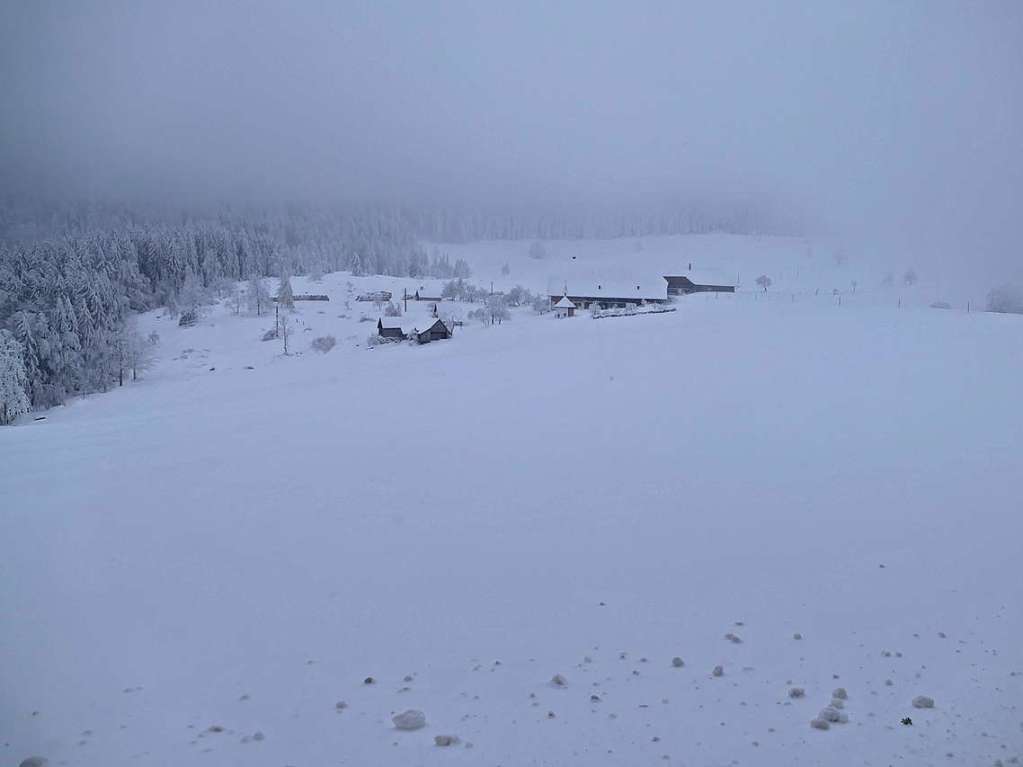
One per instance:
(682, 286)
(423, 331)
(610, 295)
(564, 308)
(433, 330)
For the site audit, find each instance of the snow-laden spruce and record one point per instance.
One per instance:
(13, 381)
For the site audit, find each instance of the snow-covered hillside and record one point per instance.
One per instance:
(240, 541)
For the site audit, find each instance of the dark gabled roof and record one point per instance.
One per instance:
(696, 280)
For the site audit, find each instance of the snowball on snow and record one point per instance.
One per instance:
(829, 714)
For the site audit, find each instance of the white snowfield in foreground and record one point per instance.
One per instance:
(263, 567)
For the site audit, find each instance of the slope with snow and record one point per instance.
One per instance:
(233, 545)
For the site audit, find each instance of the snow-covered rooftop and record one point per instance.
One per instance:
(564, 303)
(646, 289)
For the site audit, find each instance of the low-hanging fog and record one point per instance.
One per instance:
(895, 126)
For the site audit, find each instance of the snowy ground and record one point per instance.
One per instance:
(224, 547)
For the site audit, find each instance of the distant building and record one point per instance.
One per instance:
(611, 295)
(376, 295)
(392, 327)
(421, 295)
(422, 331)
(683, 286)
(564, 308)
(437, 330)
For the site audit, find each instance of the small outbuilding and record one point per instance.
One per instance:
(392, 327)
(564, 308)
(422, 294)
(435, 330)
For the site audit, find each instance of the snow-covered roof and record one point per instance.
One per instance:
(646, 289)
(564, 303)
(408, 324)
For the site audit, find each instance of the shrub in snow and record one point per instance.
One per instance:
(922, 701)
(764, 281)
(376, 339)
(537, 250)
(392, 310)
(797, 636)
(941, 305)
(34, 761)
(840, 693)
(270, 335)
(797, 692)
(677, 662)
(733, 638)
(1008, 299)
(324, 343)
(819, 724)
(718, 671)
(445, 740)
(910, 277)
(409, 720)
(188, 318)
(559, 681)
(369, 680)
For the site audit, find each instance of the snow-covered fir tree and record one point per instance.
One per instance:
(13, 381)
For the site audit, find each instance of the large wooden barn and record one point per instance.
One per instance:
(611, 295)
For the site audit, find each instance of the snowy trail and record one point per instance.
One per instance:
(286, 532)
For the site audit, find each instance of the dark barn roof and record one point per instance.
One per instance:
(681, 284)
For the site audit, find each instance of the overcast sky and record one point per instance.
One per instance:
(891, 117)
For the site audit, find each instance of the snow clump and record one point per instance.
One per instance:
(409, 720)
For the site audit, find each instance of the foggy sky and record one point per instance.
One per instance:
(894, 118)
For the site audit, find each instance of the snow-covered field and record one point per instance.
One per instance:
(234, 544)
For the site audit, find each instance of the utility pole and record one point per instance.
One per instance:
(405, 291)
